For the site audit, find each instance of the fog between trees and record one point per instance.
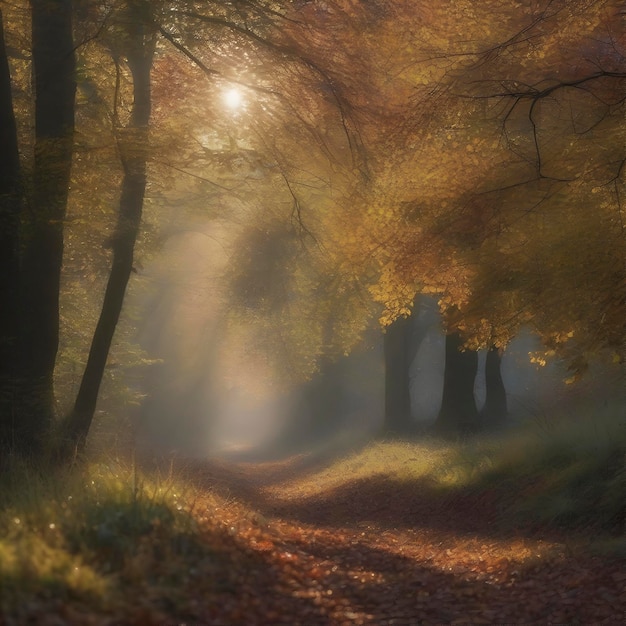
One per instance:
(472, 156)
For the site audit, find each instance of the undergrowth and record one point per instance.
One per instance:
(569, 472)
(92, 538)
(105, 536)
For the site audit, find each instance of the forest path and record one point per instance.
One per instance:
(378, 551)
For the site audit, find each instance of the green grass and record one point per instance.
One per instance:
(397, 460)
(90, 537)
(568, 473)
(104, 537)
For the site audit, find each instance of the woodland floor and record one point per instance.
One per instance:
(286, 544)
(375, 551)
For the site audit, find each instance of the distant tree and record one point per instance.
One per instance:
(495, 410)
(458, 411)
(399, 352)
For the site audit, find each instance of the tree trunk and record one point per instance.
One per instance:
(495, 410)
(398, 356)
(10, 202)
(325, 396)
(55, 90)
(133, 146)
(458, 406)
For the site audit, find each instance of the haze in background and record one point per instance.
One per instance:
(211, 391)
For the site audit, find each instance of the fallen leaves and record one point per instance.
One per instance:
(400, 558)
(423, 572)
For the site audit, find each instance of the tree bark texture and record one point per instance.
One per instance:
(398, 356)
(55, 89)
(495, 410)
(10, 203)
(133, 146)
(458, 411)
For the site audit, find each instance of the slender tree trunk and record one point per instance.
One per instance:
(458, 406)
(133, 145)
(495, 410)
(398, 356)
(10, 202)
(55, 89)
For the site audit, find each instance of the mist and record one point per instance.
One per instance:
(209, 389)
(213, 387)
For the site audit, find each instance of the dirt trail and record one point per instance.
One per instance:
(376, 552)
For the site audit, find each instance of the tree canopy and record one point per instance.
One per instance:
(496, 180)
(365, 152)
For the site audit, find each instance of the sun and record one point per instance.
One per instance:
(233, 98)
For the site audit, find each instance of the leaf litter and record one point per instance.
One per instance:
(370, 552)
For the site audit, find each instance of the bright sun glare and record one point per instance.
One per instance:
(233, 98)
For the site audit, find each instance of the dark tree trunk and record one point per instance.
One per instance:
(133, 145)
(55, 89)
(458, 406)
(495, 410)
(323, 397)
(10, 202)
(398, 348)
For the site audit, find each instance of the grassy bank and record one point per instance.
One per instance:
(567, 474)
(111, 541)
(106, 540)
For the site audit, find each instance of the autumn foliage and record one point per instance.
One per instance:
(494, 136)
